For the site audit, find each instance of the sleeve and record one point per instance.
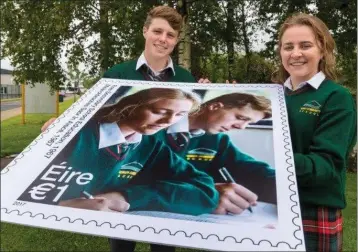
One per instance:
(257, 176)
(332, 141)
(173, 185)
(186, 76)
(113, 73)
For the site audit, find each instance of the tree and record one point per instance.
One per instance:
(96, 33)
(184, 46)
(89, 81)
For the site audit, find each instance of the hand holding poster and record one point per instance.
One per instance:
(150, 155)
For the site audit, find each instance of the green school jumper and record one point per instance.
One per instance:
(127, 70)
(210, 152)
(323, 131)
(149, 175)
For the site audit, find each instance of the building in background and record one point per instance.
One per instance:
(9, 88)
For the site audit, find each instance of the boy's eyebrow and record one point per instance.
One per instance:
(245, 118)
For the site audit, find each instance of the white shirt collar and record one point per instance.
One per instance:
(315, 81)
(181, 126)
(142, 60)
(110, 134)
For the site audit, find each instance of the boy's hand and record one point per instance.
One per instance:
(234, 198)
(48, 123)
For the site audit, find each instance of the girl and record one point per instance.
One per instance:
(322, 119)
(124, 166)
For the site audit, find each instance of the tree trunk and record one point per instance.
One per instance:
(184, 45)
(246, 41)
(105, 34)
(230, 39)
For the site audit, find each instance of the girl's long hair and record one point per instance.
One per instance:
(325, 41)
(127, 105)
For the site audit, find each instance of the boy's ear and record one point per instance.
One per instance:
(145, 29)
(215, 106)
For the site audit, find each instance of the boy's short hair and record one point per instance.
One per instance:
(168, 13)
(239, 100)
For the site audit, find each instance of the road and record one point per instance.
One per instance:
(10, 105)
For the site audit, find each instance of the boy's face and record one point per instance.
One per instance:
(221, 119)
(160, 39)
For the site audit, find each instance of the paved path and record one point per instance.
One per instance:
(8, 105)
(10, 113)
(5, 161)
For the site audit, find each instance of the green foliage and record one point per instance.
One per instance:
(100, 34)
(88, 82)
(32, 35)
(253, 69)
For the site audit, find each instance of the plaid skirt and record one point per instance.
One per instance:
(323, 228)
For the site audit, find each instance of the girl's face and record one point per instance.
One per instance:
(149, 119)
(300, 53)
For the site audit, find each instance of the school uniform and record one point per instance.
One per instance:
(210, 152)
(143, 170)
(323, 122)
(140, 70)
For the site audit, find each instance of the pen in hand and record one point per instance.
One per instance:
(229, 179)
(87, 195)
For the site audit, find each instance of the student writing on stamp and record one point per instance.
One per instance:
(128, 166)
(201, 140)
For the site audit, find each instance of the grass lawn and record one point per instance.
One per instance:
(350, 215)
(15, 137)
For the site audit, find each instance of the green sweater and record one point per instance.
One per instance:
(323, 132)
(210, 152)
(150, 175)
(126, 70)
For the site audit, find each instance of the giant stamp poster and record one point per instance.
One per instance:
(206, 166)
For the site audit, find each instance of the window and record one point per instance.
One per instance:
(3, 90)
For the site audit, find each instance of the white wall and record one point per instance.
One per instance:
(39, 100)
(6, 79)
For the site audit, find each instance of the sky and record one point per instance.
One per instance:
(5, 64)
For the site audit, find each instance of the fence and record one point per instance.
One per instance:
(10, 91)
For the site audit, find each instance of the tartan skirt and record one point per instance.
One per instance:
(323, 228)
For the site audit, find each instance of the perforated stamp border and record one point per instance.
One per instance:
(288, 160)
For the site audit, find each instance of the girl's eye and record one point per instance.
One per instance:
(287, 48)
(181, 114)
